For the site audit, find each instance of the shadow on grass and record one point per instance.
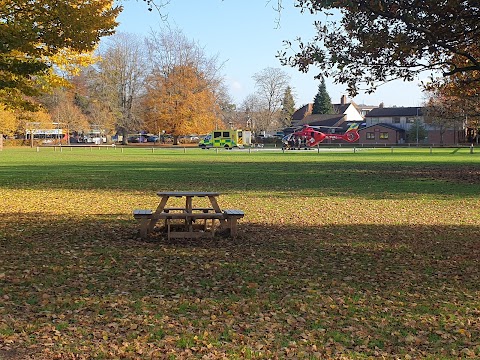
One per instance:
(105, 256)
(367, 290)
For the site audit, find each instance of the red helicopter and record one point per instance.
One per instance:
(310, 136)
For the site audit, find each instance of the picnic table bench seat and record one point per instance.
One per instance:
(143, 216)
(228, 220)
(232, 216)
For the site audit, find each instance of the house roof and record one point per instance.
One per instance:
(322, 119)
(388, 126)
(302, 112)
(340, 108)
(395, 111)
(318, 120)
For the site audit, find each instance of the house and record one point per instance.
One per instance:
(365, 109)
(349, 109)
(382, 134)
(391, 126)
(342, 112)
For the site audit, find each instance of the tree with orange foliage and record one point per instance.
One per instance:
(456, 99)
(8, 123)
(180, 102)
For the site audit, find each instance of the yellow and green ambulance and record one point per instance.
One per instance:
(227, 139)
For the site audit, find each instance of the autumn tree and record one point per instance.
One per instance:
(8, 123)
(376, 41)
(254, 110)
(452, 103)
(38, 35)
(442, 114)
(270, 87)
(179, 103)
(175, 60)
(322, 103)
(118, 80)
(64, 110)
(230, 115)
(30, 121)
(97, 113)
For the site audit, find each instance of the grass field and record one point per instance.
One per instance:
(341, 255)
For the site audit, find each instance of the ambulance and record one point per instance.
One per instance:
(227, 139)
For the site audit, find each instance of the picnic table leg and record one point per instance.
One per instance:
(167, 222)
(232, 224)
(144, 227)
(216, 207)
(159, 209)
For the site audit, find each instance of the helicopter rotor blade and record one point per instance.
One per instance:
(324, 127)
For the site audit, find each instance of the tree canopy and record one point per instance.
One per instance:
(35, 35)
(377, 41)
(180, 102)
(270, 85)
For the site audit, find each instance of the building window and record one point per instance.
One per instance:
(410, 120)
(384, 135)
(370, 136)
(396, 120)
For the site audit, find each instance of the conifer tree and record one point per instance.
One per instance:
(288, 107)
(322, 104)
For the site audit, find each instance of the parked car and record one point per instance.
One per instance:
(136, 139)
(152, 138)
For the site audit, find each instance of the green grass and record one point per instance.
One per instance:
(341, 255)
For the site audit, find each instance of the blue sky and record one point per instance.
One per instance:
(246, 37)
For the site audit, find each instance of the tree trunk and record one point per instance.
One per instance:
(1, 141)
(124, 136)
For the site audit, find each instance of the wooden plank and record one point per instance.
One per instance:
(183, 215)
(142, 212)
(203, 209)
(187, 193)
(234, 212)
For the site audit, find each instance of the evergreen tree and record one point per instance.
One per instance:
(288, 107)
(322, 104)
(417, 132)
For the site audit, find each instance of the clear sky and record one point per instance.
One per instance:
(246, 37)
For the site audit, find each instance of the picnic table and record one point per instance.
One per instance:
(183, 221)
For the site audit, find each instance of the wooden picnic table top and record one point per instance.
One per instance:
(187, 193)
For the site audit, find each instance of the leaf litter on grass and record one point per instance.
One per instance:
(308, 277)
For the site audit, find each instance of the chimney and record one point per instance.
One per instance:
(343, 100)
(381, 105)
